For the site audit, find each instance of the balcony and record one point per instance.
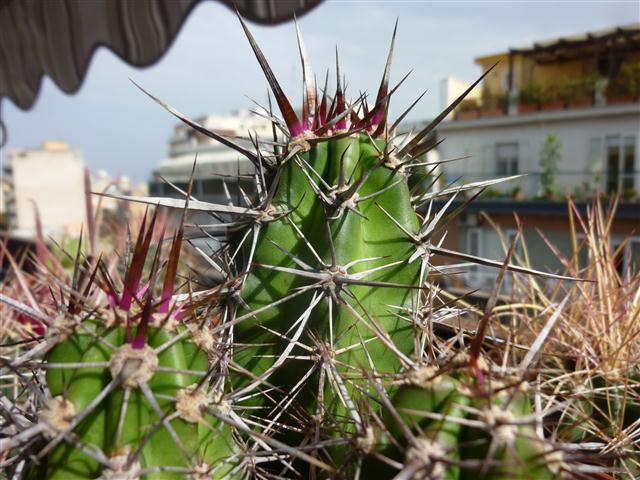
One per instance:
(580, 185)
(487, 107)
(584, 92)
(564, 94)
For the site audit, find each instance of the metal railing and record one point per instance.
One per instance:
(485, 279)
(535, 185)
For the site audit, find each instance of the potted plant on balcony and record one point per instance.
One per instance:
(625, 87)
(530, 98)
(517, 193)
(629, 194)
(494, 105)
(551, 99)
(467, 110)
(579, 93)
(493, 193)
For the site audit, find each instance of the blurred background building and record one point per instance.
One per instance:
(218, 169)
(50, 178)
(564, 112)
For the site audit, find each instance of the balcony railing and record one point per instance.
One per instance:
(484, 279)
(536, 185)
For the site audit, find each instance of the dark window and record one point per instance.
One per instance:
(621, 153)
(507, 158)
(156, 188)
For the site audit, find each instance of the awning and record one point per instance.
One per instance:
(58, 38)
(620, 40)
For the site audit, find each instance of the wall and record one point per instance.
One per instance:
(451, 88)
(582, 135)
(54, 180)
(493, 83)
(526, 70)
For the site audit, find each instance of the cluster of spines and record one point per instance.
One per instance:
(126, 389)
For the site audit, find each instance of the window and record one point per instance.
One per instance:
(211, 186)
(507, 158)
(474, 247)
(609, 65)
(512, 237)
(628, 258)
(618, 256)
(473, 242)
(620, 160)
(633, 254)
(582, 243)
(155, 188)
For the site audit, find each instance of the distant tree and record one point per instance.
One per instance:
(550, 155)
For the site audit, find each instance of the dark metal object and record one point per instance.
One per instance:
(3, 130)
(57, 38)
(610, 44)
(538, 207)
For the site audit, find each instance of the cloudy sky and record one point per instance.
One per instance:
(210, 67)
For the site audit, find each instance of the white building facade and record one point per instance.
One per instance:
(565, 114)
(215, 163)
(51, 178)
(598, 150)
(598, 153)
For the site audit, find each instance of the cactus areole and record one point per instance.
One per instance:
(314, 357)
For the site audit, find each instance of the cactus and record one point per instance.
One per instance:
(126, 390)
(446, 425)
(316, 355)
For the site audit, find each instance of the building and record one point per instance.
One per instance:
(216, 164)
(51, 178)
(221, 174)
(564, 113)
(109, 210)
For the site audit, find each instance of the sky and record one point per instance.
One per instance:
(210, 68)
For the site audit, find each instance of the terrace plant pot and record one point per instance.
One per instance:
(467, 115)
(492, 112)
(553, 105)
(580, 103)
(528, 108)
(621, 99)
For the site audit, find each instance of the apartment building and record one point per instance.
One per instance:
(217, 166)
(565, 113)
(221, 174)
(50, 177)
